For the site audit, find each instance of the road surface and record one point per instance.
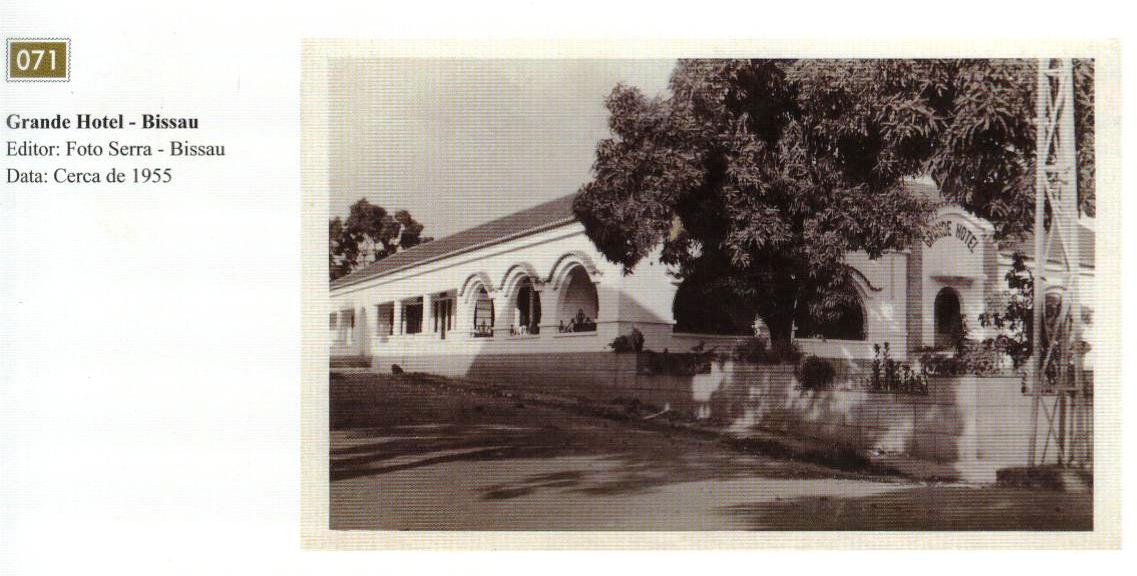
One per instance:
(414, 456)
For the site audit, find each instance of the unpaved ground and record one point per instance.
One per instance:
(412, 456)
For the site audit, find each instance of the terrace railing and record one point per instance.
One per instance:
(586, 325)
(530, 330)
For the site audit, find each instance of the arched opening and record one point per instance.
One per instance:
(847, 322)
(483, 314)
(708, 308)
(580, 305)
(949, 318)
(527, 316)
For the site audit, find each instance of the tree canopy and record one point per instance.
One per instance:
(370, 233)
(757, 177)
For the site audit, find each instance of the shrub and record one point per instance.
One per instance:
(701, 348)
(621, 344)
(686, 364)
(817, 373)
(890, 375)
(758, 350)
(637, 339)
(631, 342)
(783, 351)
(935, 363)
(751, 349)
(970, 357)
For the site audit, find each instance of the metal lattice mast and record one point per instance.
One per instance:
(1056, 382)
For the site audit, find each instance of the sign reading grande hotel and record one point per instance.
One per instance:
(944, 227)
(39, 59)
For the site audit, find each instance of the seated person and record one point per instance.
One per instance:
(580, 317)
(581, 323)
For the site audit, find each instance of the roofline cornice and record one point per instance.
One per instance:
(529, 232)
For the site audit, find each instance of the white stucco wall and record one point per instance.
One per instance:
(959, 257)
(642, 299)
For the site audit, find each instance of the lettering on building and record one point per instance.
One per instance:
(944, 228)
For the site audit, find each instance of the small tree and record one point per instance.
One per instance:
(1013, 316)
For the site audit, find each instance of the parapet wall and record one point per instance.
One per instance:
(973, 425)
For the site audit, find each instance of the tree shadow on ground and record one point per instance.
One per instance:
(926, 508)
(530, 485)
(413, 427)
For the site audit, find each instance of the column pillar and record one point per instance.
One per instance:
(373, 338)
(428, 315)
(397, 319)
(463, 316)
(347, 327)
(362, 332)
(550, 309)
(502, 320)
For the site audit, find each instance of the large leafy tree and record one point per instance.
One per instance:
(757, 177)
(370, 233)
(984, 152)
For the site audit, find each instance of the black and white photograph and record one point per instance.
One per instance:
(580, 288)
(710, 294)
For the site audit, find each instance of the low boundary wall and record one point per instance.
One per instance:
(974, 425)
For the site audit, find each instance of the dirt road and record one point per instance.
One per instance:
(414, 456)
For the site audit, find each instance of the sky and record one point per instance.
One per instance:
(460, 142)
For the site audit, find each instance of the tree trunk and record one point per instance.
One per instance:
(780, 328)
(780, 321)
